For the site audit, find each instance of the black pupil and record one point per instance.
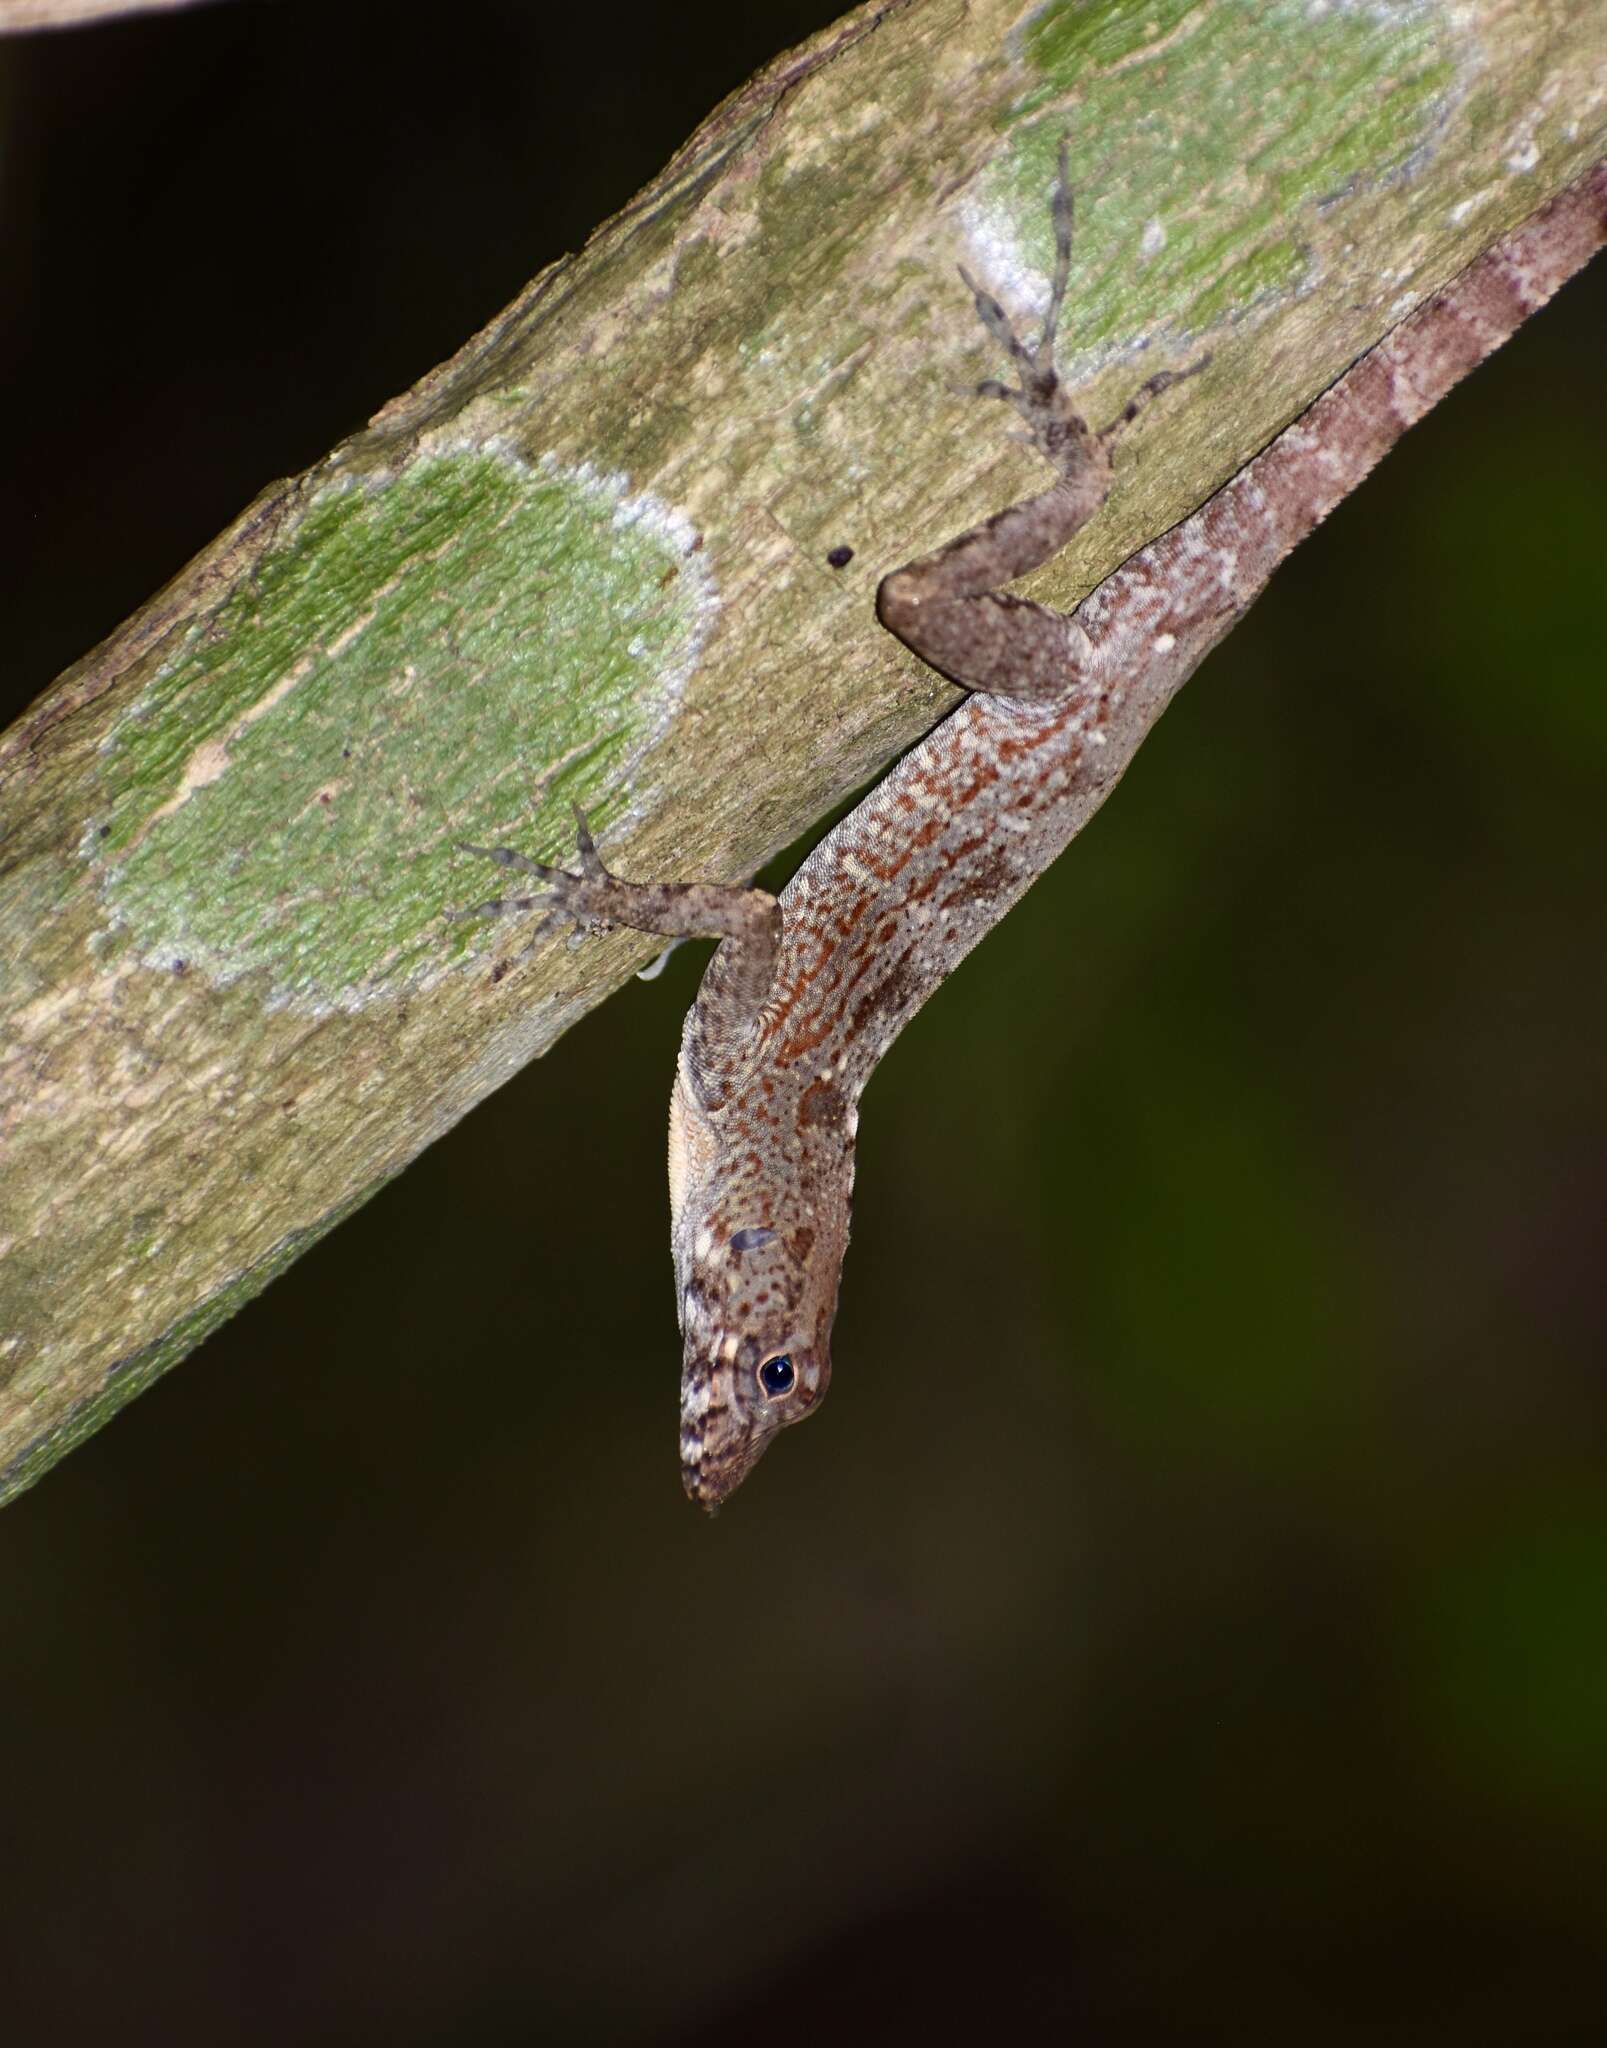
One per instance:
(775, 1375)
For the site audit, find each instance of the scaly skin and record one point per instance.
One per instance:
(802, 999)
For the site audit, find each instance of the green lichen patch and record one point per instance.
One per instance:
(1196, 131)
(456, 651)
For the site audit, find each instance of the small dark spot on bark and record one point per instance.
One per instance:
(181, 966)
(498, 972)
(801, 1243)
(839, 558)
(105, 831)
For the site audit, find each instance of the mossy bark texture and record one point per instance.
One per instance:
(587, 561)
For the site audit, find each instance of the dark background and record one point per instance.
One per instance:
(1186, 1620)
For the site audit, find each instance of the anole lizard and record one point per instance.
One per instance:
(806, 993)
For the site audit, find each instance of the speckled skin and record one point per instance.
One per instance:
(803, 999)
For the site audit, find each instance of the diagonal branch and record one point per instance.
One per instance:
(598, 558)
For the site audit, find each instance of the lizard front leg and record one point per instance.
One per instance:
(747, 920)
(948, 607)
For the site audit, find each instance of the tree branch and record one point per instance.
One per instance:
(587, 560)
(17, 15)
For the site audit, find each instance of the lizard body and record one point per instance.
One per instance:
(806, 993)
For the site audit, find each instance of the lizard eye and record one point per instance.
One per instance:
(776, 1377)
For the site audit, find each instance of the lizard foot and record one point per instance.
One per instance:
(1043, 402)
(593, 897)
(1040, 397)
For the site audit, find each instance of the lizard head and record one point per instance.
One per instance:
(757, 1268)
(756, 1313)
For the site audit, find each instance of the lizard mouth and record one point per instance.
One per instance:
(714, 1466)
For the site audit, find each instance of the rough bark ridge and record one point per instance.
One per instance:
(586, 560)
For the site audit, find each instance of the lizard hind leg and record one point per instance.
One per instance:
(948, 607)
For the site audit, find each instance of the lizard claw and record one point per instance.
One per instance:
(998, 322)
(591, 862)
(1163, 380)
(506, 857)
